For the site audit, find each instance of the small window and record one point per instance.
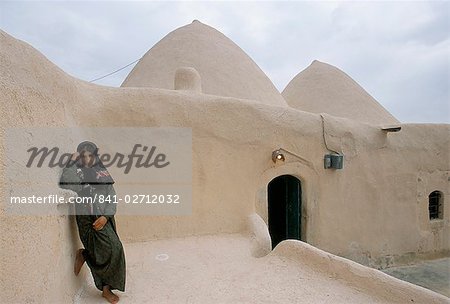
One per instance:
(435, 205)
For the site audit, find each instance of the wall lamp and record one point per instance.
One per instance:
(280, 155)
(277, 155)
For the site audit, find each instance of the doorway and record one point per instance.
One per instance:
(285, 205)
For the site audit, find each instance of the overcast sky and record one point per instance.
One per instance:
(398, 51)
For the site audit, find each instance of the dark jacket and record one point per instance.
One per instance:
(94, 182)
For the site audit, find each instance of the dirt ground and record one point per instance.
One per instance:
(433, 274)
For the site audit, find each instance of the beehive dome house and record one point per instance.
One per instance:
(296, 197)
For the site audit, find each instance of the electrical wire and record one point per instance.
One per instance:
(118, 70)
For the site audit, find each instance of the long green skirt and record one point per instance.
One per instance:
(103, 252)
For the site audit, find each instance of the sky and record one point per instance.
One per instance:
(399, 52)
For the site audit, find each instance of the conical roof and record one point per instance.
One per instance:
(225, 69)
(323, 88)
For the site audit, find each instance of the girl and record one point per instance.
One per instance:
(103, 251)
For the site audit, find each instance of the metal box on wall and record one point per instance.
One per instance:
(334, 161)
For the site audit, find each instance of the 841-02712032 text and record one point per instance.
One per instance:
(139, 199)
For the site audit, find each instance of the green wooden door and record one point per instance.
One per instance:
(284, 195)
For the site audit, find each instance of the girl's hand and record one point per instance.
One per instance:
(75, 156)
(99, 223)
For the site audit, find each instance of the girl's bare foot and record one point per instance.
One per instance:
(109, 296)
(79, 261)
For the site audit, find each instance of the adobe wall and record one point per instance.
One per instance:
(374, 211)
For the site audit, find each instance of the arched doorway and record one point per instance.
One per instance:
(284, 204)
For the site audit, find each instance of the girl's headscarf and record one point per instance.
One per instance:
(97, 173)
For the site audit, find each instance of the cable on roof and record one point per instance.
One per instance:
(118, 70)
